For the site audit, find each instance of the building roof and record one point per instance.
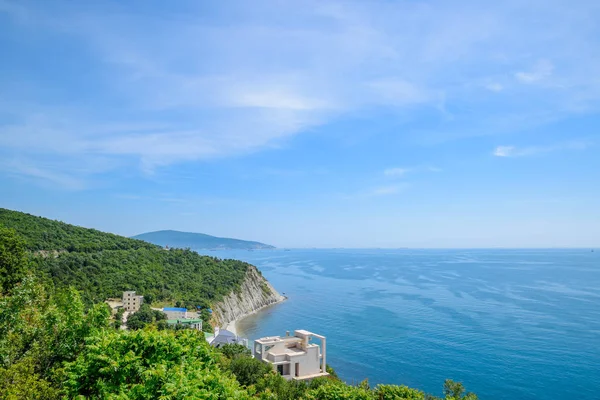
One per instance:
(183, 321)
(225, 332)
(179, 309)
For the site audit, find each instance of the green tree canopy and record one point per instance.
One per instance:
(13, 259)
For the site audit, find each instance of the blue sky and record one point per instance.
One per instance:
(308, 123)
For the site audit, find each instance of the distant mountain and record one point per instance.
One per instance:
(197, 241)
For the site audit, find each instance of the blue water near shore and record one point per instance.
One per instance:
(509, 324)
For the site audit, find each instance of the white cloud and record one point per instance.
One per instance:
(494, 87)
(385, 190)
(196, 86)
(513, 151)
(398, 92)
(278, 98)
(395, 172)
(46, 175)
(504, 151)
(542, 70)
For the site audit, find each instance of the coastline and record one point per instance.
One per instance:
(232, 325)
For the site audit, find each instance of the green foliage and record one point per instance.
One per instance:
(144, 316)
(248, 370)
(265, 289)
(393, 392)
(338, 391)
(103, 265)
(456, 391)
(40, 329)
(331, 372)
(234, 350)
(274, 386)
(21, 381)
(45, 234)
(118, 318)
(13, 260)
(147, 365)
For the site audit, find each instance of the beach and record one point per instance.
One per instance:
(232, 327)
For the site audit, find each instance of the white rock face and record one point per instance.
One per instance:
(256, 293)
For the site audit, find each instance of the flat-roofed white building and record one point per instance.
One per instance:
(131, 301)
(294, 357)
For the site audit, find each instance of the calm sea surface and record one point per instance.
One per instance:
(509, 324)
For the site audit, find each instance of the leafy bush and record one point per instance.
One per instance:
(144, 316)
(248, 370)
(148, 364)
(13, 260)
(234, 350)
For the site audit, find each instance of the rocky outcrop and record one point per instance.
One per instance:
(255, 293)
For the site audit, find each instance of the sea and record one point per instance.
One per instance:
(508, 324)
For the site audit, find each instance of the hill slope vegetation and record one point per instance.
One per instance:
(102, 265)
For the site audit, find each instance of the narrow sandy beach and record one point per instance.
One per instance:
(232, 327)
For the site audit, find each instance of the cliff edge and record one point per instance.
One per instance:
(255, 293)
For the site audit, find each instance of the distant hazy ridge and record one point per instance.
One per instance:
(197, 241)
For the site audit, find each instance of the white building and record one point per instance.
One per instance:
(131, 302)
(224, 336)
(177, 313)
(294, 357)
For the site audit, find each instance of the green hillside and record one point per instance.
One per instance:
(102, 265)
(197, 241)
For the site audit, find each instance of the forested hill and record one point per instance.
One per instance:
(46, 234)
(198, 241)
(102, 265)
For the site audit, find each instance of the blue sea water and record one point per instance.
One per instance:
(509, 324)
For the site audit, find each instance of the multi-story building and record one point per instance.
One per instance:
(294, 357)
(131, 301)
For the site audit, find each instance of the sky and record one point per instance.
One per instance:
(307, 123)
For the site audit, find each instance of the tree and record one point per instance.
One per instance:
(148, 364)
(248, 370)
(234, 350)
(21, 381)
(40, 329)
(145, 316)
(393, 392)
(456, 391)
(13, 259)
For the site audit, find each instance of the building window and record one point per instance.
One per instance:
(280, 369)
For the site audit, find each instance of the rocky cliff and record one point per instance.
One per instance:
(255, 293)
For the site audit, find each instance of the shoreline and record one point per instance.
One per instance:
(232, 325)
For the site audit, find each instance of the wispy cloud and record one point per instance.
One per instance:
(385, 190)
(541, 70)
(396, 172)
(494, 87)
(186, 99)
(513, 151)
(45, 175)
